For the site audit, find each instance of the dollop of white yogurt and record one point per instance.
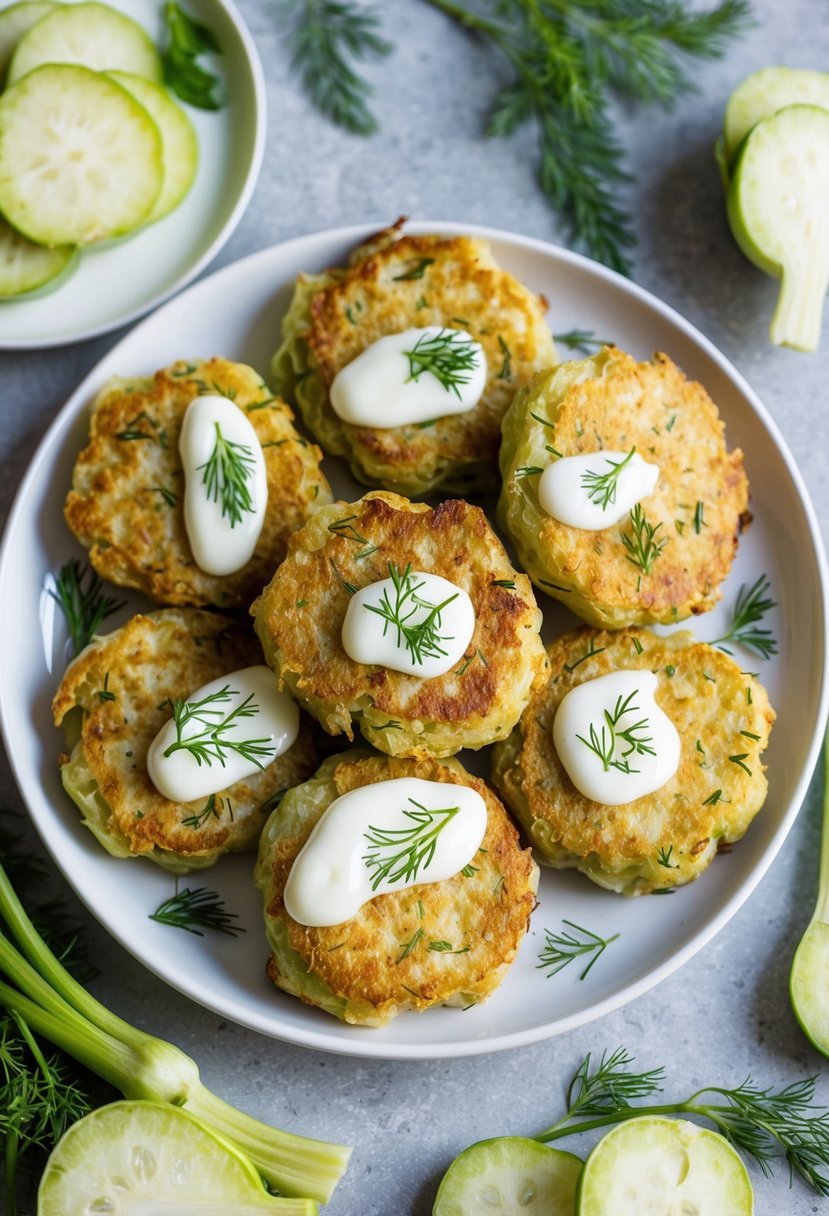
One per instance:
(393, 382)
(383, 837)
(416, 623)
(219, 450)
(587, 492)
(242, 707)
(613, 739)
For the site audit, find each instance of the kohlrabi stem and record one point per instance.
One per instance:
(797, 317)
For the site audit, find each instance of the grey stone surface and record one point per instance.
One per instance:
(726, 1013)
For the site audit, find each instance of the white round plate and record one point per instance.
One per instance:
(121, 280)
(236, 313)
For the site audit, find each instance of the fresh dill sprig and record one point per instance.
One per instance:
(642, 546)
(211, 742)
(401, 853)
(326, 37)
(226, 474)
(766, 1124)
(78, 591)
(752, 605)
(421, 638)
(449, 356)
(561, 949)
(604, 745)
(187, 41)
(197, 910)
(199, 818)
(581, 340)
(601, 487)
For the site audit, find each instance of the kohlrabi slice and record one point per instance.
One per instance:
(652, 1166)
(90, 34)
(80, 159)
(777, 208)
(15, 21)
(179, 147)
(765, 92)
(28, 269)
(509, 1176)
(809, 982)
(152, 1159)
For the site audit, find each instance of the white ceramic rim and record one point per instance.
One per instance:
(375, 1049)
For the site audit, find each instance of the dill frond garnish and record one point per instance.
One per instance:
(561, 949)
(396, 854)
(421, 638)
(197, 910)
(581, 340)
(85, 608)
(752, 605)
(226, 474)
(601, 487)
(326, 37)
(449, 356)
(211, 742)
(641, 544)
(604, 745)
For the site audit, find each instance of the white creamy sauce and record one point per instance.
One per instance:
(383, 837)
(586, 492)
(613, 739)
(225, 484)
(393, 381)
(269, 718)
(419, 624)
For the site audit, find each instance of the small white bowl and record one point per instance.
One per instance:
(115, 284)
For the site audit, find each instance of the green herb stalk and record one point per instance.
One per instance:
(56, 1007)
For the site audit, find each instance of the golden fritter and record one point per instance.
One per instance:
(667, 838)
(114, 699)
(696, 511)
(344, 547)
(395, 283)
(440, 943)
(127, 499)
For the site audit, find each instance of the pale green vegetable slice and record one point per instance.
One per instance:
(14, 23)
(152, 1159)
(26, 268)
(652, 1166)
(777, 208)
(509, 1176)
(92, 35)
(179, 146)
(809, 982)
(765, 92)
(80, 159)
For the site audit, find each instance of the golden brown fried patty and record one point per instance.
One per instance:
(723, 718)
(120, 688)
(697, 508)
(437, 943)
(392, 284)
(127, 499)
(344, 547)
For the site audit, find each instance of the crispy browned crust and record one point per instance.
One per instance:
(463, 287)
(362, 959)
(672, 422)
(167, 655)
(135, 532)
(712, 704)
(299, 620)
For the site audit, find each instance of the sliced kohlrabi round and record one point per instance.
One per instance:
(509, 1176)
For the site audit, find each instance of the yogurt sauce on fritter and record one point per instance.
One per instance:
(614, 741)
(226, 488)
(414, 376)
(379, 838)
(595, 490)
(416, 623)
(224, 732)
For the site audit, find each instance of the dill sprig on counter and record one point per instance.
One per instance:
(326, 37)
(566, 59)
(78, 590)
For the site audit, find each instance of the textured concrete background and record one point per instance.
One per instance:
(724, 1014)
